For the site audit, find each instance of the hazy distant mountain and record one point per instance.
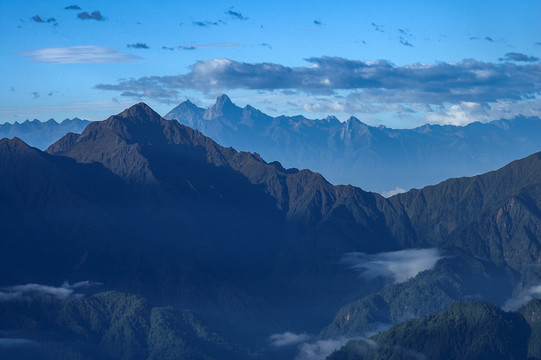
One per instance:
(150, 207)
(42, 134)
(375, 158)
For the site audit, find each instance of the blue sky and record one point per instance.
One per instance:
(396, 63)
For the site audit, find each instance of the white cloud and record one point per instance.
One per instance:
(397, 190)
(9, 296)
(287, 338)
(379, 81)
(16, 292)
(89, 54)
(11, 342)
(459, 114)
(320, 349)
(524, 297)
(442, 93)
(397, 265)
(58, 292)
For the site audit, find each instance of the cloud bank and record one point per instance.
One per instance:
(66, 290)
(287, 338)
(320, 349)
(12, 342)
(396, 265)
(371, 82)
(454, 93)
(395, 191)
(90, 54)
(524, 297)
(514, 56)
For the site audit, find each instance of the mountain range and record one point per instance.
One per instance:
(138, 204)
(462, 331)
(42, 134)
(377, 159)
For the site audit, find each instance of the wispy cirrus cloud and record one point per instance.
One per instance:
(138, 46)
(235, 14)
(38, 19)
(405, 42)
(231, 15)
(207, 23)
(514, 56)
(89, 54)
(487, 38)
(377, 27)
(203, 46)
(95, 15)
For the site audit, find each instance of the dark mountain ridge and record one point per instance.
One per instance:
(461, 331)
(489, 225)
(152, 207)
(233, 214)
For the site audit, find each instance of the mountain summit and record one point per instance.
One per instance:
(142, 113)
(222, 108)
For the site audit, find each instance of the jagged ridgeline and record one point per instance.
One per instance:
(42, 134)
(377, 159)
(150, 207)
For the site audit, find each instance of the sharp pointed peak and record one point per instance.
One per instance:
(141, 111)
(223, 99)
(353, 119)
(140, 105)
(223, 107)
